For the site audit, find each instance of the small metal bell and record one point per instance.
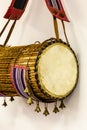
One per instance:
(56, 108)
(30, 101)
(11, 99)
(4, 104)
(37, 109)
(46, 112)
(62, 105)
(26, 90)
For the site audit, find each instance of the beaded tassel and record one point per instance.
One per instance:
(30, 101)
(4, 104)
(11, 99)
(56, 108)
(37, 109)
(62, 105)
(46, 112)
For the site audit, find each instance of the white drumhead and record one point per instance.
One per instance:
(57, 70)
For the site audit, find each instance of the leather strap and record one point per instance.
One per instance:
(63, 25)
(10, 32)
(56, 27)
(5, 27)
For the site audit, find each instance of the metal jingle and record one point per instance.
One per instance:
(37, 109)
(56, 110)
(30, 101)
(4, 104)
(62, 105)
(11, 99)
(46, 112)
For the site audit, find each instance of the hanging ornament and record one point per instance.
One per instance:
(37, 109)
(11, 99)
(4, 104)
(30, 101)
(62, 105)
(26, 90)
(56, 110)
(46, 112)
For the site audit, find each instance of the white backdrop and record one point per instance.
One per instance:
(36, 24)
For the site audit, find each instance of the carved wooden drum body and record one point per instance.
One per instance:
(49, 70)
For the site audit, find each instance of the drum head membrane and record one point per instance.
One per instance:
(57, 70)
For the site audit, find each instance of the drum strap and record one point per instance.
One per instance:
(57, 31)
(10, 32)
(56, 27)
(57, 10)
(14, 12)
(67, 41)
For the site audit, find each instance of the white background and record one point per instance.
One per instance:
(36, 24)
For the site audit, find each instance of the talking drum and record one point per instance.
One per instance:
(49, 70)
(53, 73)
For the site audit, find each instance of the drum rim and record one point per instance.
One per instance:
(45, 44)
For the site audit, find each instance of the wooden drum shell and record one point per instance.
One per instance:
(20, 56)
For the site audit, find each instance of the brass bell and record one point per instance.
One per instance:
(37, 109)
(4, 104)
(26, 90)
(46, 112)
(56, 109)
(30, 101)
(11, 99)
(62, 105)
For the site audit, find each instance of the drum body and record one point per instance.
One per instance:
(51, 70)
